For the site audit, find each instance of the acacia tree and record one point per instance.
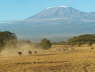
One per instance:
(45, 43)
(7, 37)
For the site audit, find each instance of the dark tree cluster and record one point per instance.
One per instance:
(7, 37)
(45, 44)
(83, 39)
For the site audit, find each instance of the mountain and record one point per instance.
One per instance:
(63, 13)
(55, 23)
(56, 12)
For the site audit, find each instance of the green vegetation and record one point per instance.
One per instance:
(7, 37)
(10, 39)
(45, 44)
(82, 39)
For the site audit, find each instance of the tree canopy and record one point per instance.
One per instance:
(45, 43)
(6, 37)
(83, 39)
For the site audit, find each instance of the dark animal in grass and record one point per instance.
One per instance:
(92, 47)
(20, 53)
(35, 52)
(30, 52)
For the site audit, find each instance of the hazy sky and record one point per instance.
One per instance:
(21, 9)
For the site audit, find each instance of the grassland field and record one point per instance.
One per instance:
(82, 59)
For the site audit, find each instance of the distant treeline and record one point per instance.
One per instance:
(79, 40)
(82, 39)
(7, 38)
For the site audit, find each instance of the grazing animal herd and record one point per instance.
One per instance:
(20, 53)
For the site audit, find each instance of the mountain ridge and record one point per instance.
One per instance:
(53, 23)
(60, 12)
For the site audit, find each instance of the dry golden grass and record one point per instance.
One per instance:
(82, 59)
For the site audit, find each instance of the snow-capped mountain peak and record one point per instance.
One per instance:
(58, 7)
(56, 12)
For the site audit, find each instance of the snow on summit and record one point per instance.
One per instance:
(58, 7)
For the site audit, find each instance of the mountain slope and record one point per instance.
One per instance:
(56, 12)
(55, 23)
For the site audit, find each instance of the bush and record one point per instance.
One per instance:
(45, 44)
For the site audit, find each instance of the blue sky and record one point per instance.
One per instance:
(21, 9)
